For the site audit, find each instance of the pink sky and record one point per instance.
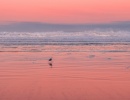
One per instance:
(65, 11)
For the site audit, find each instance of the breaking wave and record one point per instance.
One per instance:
(59, 37)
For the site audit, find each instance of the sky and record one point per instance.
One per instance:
(64, 11)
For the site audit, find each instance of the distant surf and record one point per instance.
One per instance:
(65, 38)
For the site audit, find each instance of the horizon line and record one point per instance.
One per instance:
(15, 22)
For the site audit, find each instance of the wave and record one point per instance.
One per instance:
(60, 37)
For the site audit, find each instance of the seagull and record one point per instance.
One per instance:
(50, 59)
(50, 62)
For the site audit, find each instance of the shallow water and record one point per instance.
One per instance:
(77, 72)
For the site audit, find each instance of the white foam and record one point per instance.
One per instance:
(59, 36)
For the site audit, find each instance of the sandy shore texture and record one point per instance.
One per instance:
(71, 75)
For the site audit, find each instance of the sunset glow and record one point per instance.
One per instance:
(65, 11)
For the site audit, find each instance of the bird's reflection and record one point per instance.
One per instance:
(50, 64)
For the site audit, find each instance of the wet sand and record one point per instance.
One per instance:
(84, 75)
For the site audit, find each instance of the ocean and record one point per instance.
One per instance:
(38, 40)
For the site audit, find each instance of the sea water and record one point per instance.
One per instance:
(60, 38)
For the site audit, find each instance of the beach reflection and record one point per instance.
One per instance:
(50, 64)
(71, 76)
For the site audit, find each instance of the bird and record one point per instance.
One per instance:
(50, 59)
